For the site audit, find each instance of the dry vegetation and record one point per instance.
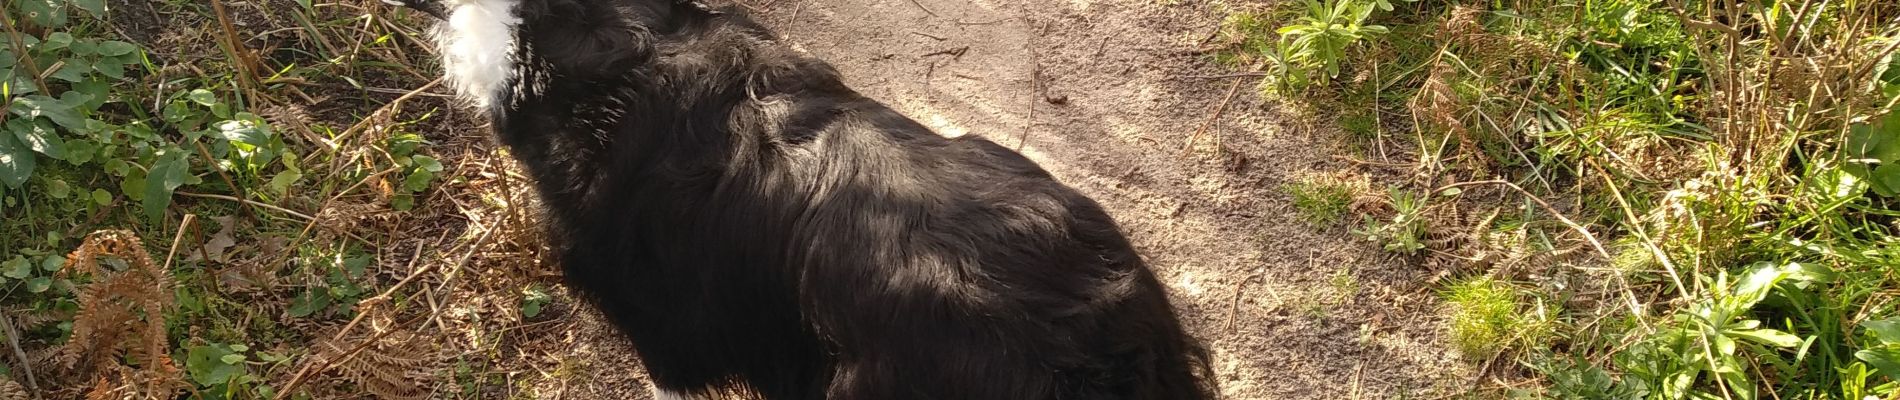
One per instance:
(330, 226)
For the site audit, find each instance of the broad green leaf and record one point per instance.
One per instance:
(84, 48)
(207, 367)
(1724, 345)
(133, 186)
(58, 110)
(1755, 286)
(356, 265)
(1737, 381)
(74, 70)
(1871, 146)
(309, 302)
(57, 189)
(1836, 184)
(96, 7)
(1878, 139)
(203, 97)
(280, 183)
(532, 299)
(167, 174)
(16, 162)
(1769, 337)
(402, 202)
(96, 91)
(39, 284)
(114, 48)
(110, 69)
(1886, 179)
(232, 358)
(52, 263)
(529, 309)
(244, 131)
(50, 14)
(56, 40)
(1887, 330)
(1885, 359)
(418, 181)
(427, 163)
(81, 151)
(39, 136)
(101, 197)
(177, 111)
(17, 268)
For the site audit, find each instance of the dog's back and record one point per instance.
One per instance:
(753, 224)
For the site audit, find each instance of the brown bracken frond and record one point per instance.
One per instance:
(10, 390)
(121, 313)
(395, 366)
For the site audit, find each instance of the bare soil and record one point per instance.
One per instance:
(1109, 95)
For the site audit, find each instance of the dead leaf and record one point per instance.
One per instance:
(214, 247)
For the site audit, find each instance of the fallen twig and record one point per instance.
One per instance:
(926, 9)
(250, 203)
(1232, 91)
(13, 341)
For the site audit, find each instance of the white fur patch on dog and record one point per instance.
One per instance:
(663, 394)
(477, 45)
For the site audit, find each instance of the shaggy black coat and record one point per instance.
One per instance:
(750, 222)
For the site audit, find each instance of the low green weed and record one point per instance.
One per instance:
(1321, 199)
(1404, 232)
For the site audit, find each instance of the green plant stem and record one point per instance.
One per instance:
(26, 59)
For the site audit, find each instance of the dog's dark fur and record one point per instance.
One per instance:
(750, 222)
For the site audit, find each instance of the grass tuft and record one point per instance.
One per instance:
(1484, 316)
(1323, 200)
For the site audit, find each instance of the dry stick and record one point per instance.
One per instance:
(1681, 291)
(1233, 304)
(13, 341)
(380, 113)
(926, 9)
(1214, 119)
(177, 238)
(206, 153)
(247, 73)
(250, 203)
(1035, 88)
(1226, 76)
(472, 249)
(1636, 228)
(19, 47)
(1029, 126)
(1635, 305)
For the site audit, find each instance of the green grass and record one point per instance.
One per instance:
(1321, 200)
(1483, 317)
(1740, 192)
(1488, 317)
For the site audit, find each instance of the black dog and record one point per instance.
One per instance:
(753, 225)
